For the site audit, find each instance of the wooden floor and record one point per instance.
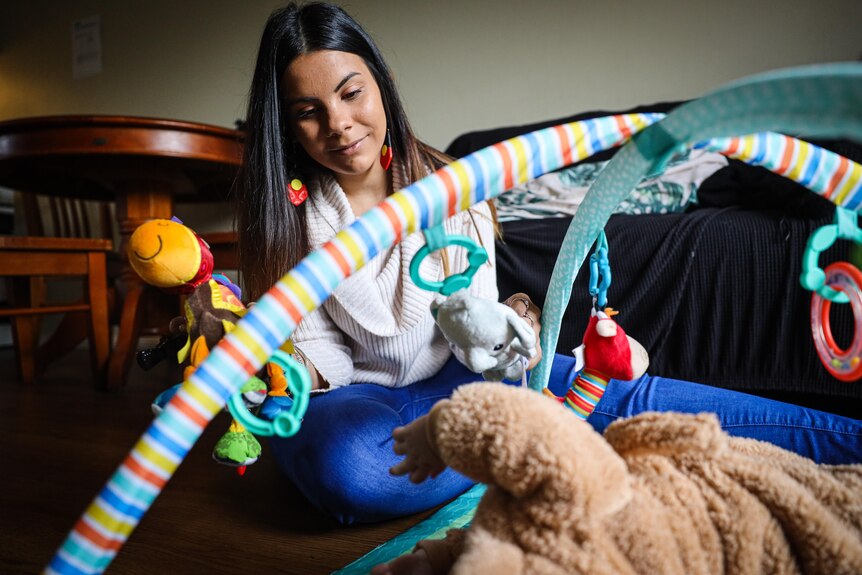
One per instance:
(64, 440)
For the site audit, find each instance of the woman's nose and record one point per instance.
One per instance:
(339, 120)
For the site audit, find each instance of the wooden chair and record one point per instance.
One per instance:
(28, 261)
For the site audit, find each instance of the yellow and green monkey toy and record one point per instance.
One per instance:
(170, 256)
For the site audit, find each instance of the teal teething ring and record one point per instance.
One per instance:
(813, 277)
(287, 422)
(436, 239)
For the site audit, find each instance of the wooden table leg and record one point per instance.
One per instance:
(137, 203)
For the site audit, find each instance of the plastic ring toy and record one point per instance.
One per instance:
(286, 423)
(843, 364)
(476, 256)
(813, 278)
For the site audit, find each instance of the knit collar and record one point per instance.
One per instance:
(380, 295)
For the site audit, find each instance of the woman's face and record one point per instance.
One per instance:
(335, 111)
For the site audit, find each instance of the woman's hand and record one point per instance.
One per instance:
(317, 382)
(530, 313)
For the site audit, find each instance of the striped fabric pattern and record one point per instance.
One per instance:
(112, 516)
(818, 100)
(821, 99)
(586, 391)
(832, 93)
(833, 176)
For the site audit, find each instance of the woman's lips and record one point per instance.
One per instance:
(350, 148)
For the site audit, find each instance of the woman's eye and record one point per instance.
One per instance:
(305, 113)
(498, 347)
(353, 94)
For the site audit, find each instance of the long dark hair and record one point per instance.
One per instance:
(272, 233)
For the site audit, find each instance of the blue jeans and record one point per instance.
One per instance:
(341, 456)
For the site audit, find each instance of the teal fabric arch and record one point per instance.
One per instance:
(824, 101)
(812, 101)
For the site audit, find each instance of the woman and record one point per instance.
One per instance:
(323, 117)
(322, 107)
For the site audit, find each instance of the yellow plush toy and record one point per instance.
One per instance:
(169, 255)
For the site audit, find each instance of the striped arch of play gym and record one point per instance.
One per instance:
(815, 101)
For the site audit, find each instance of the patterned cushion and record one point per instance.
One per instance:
(560, 193)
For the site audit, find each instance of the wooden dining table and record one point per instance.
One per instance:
(144, 165)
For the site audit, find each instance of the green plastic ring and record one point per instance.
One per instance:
(476, 256)
(286, 423)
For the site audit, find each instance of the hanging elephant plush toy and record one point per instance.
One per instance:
(170, 256)
(486, 336)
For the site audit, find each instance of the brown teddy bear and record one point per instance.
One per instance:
(658, 493)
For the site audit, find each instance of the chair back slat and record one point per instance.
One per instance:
(66, 215)
(55, 211)
(79, 219)
(106, 220)
(60, 217)
(32, 215)
(84, 219)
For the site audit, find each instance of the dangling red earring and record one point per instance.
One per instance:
(386, 152)
(297, 192)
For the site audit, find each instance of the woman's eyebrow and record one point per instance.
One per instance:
(345, 80)
(337, 88)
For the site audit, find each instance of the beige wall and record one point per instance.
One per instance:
(460, 65)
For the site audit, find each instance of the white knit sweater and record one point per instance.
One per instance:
(377, 327)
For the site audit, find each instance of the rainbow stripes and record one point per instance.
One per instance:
(586, 391)
(111, 517)
(118, 508)
(833, 176)
(115, 512)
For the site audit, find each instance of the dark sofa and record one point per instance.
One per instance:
(713, 293)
